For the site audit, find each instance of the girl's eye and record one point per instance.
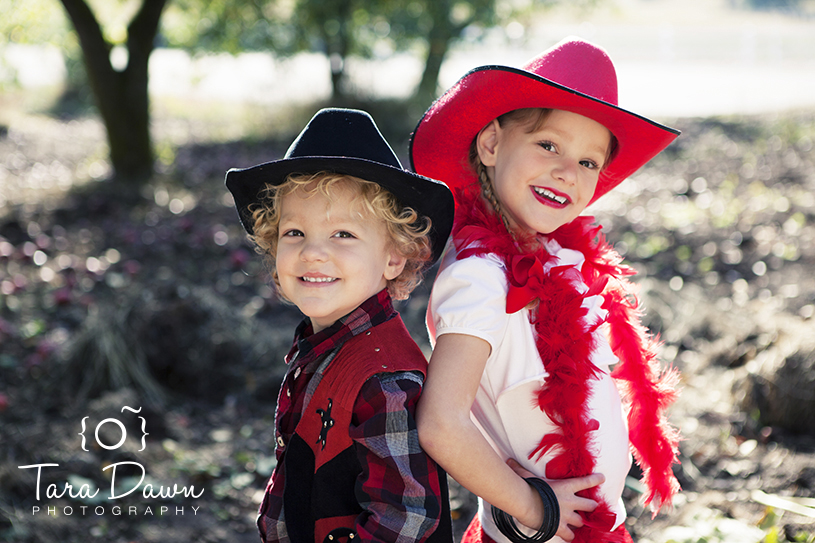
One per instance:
(344, 235)
(292, 233)
(590, 164)
(548, 146)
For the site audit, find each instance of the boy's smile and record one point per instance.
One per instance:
(546, 178)
(332, 255)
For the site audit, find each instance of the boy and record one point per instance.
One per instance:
(345, 229)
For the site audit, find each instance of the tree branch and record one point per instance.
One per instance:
(142, 30)
(95, 49)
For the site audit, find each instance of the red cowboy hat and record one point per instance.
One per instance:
(573, 75)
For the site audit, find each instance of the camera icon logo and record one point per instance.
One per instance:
(121, 426)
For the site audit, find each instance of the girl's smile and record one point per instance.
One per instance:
(551, 197)
(546, 177)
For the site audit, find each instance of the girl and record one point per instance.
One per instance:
(531, 307)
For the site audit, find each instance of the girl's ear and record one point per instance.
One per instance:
(487, 143)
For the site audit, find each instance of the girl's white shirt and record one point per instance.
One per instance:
(469, 297)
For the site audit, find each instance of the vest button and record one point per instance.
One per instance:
(280, 442)
(376, 350)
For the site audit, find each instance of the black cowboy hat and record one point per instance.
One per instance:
(348, 142)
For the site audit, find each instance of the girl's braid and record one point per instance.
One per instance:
(489, 194)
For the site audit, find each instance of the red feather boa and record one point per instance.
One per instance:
(565, 342)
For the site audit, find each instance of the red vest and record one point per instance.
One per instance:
(319, 466)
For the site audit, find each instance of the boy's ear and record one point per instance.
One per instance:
(395, 265)
(487, 141)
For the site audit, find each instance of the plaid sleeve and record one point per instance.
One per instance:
(399, 486)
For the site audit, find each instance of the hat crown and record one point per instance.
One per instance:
(580, 66)
(347, 133)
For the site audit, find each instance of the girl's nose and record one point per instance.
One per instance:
(566, 171)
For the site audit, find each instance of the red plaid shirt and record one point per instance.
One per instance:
(398, 488)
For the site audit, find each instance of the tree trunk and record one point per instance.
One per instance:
(122, 97)
(337, 48)
(438, 41)
(337, 62)
(436, 51)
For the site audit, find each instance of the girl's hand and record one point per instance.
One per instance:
(570, 503)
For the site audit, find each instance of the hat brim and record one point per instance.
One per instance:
(439, 147)
(427, 197)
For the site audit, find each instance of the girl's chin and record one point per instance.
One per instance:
(539, 229)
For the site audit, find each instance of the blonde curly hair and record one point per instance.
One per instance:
(408, 232)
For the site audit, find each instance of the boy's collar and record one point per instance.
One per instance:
(373, 311)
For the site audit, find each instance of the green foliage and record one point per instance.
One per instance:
(225, 25)
(287, 27)
(337, 28)
(33, 328)
(34, 22)
(38, 22)
(774, 531)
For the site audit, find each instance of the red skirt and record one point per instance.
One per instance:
(475, 533)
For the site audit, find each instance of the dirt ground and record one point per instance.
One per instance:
(152, 299)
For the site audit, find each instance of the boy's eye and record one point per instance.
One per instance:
(548, 146)
(344, 235)
(590, 164)
(292, 233)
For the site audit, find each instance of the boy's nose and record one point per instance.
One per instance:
(313, 251)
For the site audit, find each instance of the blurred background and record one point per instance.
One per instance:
(126, 279)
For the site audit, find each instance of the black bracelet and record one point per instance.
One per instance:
(551, 516)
